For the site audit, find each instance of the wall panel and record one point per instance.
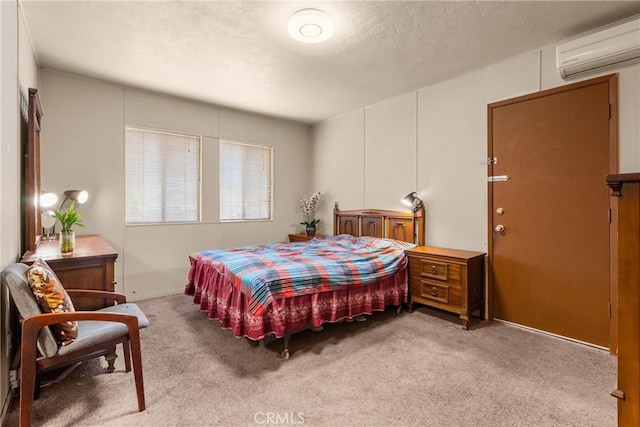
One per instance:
(390, 152)
(82, 147)
(9, 183)
(337, 159)
(163, 112)
(451, 142)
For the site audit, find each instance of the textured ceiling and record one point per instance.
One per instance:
(238, 53)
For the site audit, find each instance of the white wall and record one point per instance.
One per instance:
(18, 72)
(83, 147)
(28, 73)
(450, 141)
(8, 176)
(390, 144)
(337, 159)
(358, 150)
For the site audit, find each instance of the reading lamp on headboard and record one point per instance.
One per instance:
(412, 201)
(79, 196)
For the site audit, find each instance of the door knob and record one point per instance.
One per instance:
(499, 228)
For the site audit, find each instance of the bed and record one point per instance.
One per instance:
(274, 290)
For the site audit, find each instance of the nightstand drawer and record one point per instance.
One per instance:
(434, 269)
(437, 294)
(434, 291)
(426, 268)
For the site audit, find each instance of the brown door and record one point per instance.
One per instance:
(549, 235)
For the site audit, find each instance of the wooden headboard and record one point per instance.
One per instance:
(399, 225)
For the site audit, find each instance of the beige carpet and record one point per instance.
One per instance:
(411, 369)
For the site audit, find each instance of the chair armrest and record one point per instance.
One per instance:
(32, 325)
(88, 293)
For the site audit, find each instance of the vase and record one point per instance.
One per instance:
(310, 230)
(67, 242)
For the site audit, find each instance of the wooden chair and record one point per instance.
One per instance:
(99, 332)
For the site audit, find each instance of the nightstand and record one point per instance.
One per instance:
(304, 237)
(448, 279)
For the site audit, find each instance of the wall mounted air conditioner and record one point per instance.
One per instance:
(611, 47)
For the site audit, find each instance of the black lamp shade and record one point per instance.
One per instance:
(412, 201)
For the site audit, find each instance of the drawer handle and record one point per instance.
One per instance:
(434, 291)
(434, 269)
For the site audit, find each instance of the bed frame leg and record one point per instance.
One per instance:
(285, 352)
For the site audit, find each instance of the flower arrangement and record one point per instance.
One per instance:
(69, 218)
(309, 209)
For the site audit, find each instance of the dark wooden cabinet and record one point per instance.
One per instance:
(627, 187)
(91, 266)
(448, 279)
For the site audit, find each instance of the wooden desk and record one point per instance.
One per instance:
(91, 266)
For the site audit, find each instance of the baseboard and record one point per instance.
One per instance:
(550, 334)
(136, 298)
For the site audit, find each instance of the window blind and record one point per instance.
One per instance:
(246, 183)
(162, 177)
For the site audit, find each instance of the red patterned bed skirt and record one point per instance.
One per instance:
(217, 295)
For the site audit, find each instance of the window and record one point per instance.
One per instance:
(162, 177)
(245, 181)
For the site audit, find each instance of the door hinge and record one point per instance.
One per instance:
(609, 214)
(609, 111)
(609, 310)
(498, 178)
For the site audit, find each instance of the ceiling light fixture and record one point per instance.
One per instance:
(310, 26)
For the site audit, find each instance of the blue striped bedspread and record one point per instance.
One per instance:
(278, 270)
